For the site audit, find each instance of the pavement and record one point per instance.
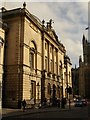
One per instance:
(6, 112)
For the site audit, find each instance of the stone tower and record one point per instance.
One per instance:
(84, 70)
(86, 50)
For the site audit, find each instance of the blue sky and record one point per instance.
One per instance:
(70, 20)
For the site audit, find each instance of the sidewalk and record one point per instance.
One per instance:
(17, 112)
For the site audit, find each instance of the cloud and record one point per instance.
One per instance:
(70, 20)
(70, 26)
(74, 50)
(44, 0)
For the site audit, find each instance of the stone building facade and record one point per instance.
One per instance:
(35, 61)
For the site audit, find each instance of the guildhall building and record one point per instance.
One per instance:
(35, 61)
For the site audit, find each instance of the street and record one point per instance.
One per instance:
(76, 113)
(53, 112)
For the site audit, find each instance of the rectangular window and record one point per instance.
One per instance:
(51, 66)
(60, 70)
(55, 67)
(46, 63)
(65, 77)
(33, 89)
(32, 60)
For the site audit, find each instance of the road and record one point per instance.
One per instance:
(75, 112)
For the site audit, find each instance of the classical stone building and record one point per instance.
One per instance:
(3, 28)
(84, 69)
(35, 62)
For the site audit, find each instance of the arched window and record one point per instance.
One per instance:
(33, 56)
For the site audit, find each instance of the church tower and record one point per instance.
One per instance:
(85, 49)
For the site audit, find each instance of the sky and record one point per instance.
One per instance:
(70, 20)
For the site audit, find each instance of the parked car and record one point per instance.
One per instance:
(78, 103)
(84, 102)
(76, 98)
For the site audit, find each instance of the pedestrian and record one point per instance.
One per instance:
(23, 105)
(19, 104)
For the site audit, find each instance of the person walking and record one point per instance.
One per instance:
(23, 105)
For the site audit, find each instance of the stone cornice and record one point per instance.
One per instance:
(24, 12)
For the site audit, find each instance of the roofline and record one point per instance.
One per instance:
(25, 12)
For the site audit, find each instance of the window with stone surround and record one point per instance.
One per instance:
(46, 64)
(51, 66)
(32, 60)
(33, 56)
(55, 68)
